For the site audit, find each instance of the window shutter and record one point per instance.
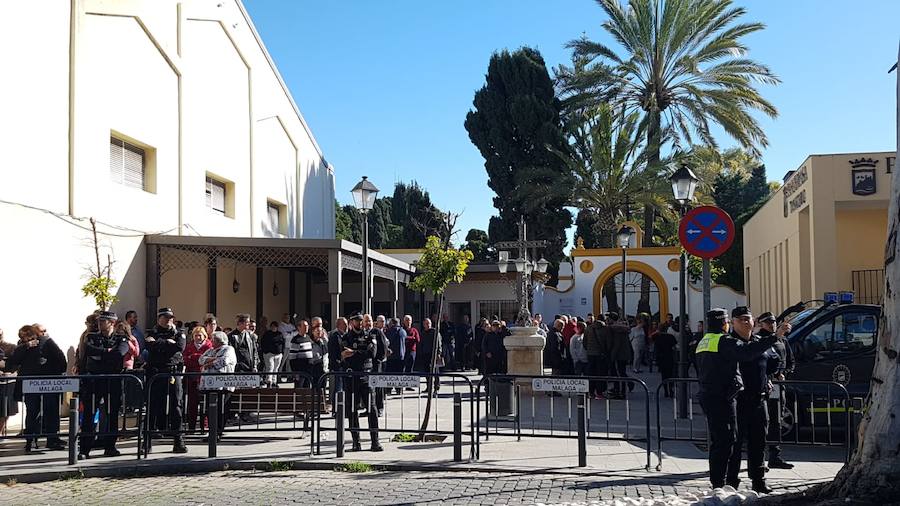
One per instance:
(115, 160)
(273, 218)
(126, 163)
(215, 195)
(133, 166)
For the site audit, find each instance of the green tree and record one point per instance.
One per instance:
(438, 266)
(515, 124)
(740, 193)
(587, 227)
(343, 224)
(479, 244)
(611, 174)
(683, 66)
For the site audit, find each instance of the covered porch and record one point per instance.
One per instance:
(267, 277)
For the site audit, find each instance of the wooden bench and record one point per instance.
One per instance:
(299, 402)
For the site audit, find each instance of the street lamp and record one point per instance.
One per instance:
(364, 194)
(625, 234)
(684, 182)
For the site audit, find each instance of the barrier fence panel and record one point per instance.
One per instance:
(801, 413)
(240, 400)
(401, 410)
(98, 413)
(548, 407)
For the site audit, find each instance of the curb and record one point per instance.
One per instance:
(262, 465)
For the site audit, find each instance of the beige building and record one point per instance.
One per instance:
(168, 123)
(824, 230)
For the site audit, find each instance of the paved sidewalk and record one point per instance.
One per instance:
(610, 462)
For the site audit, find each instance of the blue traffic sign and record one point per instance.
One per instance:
(706, 232)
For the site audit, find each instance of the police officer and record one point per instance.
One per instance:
(752, 416)
(358, 348)
(778, 371)
(102, 353)
(718, 355)
(165, 344)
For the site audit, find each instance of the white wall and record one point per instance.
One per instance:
(190, 81)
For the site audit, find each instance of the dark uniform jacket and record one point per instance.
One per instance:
(717, 359)
(364, 348)
(164, 355)
(97, 360)
(784, 360)
(754, 372)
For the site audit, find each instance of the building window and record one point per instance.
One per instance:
(505, 309)
(127, 164)
(216, 195)
(276, 218)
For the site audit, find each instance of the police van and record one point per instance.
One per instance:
(832, 340)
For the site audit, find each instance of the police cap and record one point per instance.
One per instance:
(767, 317)
(165, 311)
(741, 311)
(716, 314)
(356, 316)
(107, 315)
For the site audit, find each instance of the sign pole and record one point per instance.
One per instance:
(704, 232)
(706, 283)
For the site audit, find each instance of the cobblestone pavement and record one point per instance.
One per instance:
(327, 487)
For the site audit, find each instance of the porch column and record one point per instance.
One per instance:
(395, 295)
(335, 281)
(259, 293)
(153, 282)
(292, 287)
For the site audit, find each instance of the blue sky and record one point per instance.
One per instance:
(385, 86)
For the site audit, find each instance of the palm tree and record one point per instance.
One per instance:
(611, 173)
(683, 67)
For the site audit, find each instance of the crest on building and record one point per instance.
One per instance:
(863, 181)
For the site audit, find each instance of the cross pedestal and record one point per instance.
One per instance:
(524, 355)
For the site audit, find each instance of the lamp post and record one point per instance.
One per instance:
(684, 182)
(625, 234)
(364, 194)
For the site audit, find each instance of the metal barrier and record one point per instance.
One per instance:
(396, 416)
(799, 405)
(503, 398)
(256, 408)
(97, 396)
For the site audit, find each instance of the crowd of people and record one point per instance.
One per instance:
(608, 345)
(171, 356)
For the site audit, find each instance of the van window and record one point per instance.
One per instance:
(854, 331)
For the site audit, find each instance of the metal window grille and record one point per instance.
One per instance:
(126, 163)
(868, 286)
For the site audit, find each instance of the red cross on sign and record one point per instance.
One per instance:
(706, 232)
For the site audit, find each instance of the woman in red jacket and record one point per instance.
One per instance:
(194, 348)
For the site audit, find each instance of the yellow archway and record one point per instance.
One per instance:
(633, 266)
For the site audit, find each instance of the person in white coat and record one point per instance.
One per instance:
(221, 358)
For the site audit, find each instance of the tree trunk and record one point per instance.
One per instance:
(653, 149)
(612, 298)
(873, 473)
(432, 366)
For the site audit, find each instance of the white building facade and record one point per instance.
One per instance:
(154, 117)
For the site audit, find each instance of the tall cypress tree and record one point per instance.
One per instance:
(514, 124)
